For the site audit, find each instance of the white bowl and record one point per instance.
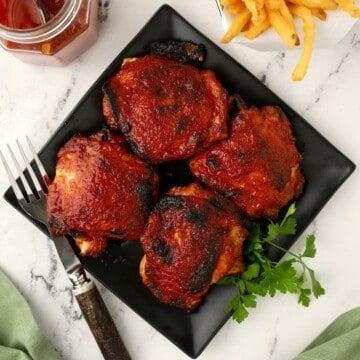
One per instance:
(328, 33)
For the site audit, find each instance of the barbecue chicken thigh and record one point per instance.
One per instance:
(167, 110)
(193, 238)
(100, 191)
(258, 166)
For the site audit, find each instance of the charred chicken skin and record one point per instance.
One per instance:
(258, 166)
(167, 110)
(193, 238)
(107, 112)
(186, 52)
(100, 191)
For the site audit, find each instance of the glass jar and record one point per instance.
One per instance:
(67, 33)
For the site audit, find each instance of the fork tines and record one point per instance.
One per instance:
(28, 182)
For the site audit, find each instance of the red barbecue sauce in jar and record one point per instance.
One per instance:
(57, 35)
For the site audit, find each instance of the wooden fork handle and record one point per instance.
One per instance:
(100, 322)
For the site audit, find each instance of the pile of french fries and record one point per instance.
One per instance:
(253, 17)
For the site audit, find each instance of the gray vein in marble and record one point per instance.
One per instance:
(48, 126)
(262, 78)
(279, 60)
(62, 101)
(70, 312)
(66, 337)
(274, 342)
(354, 45)
(47, 280)
(273, 346)
(38, 277)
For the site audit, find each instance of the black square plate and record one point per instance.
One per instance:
(324, 167)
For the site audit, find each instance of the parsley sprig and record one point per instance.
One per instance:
(264, 277)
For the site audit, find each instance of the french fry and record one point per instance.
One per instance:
(226, 3)
(262, 16)
(308, 43)
(247, 25)
(285, 12)
(237, 8)
(350, 7)
(255, 30)
(316, 4)
(272, 4)
(253, 17)
(236, 26)
(257, 10)
(283, 28)
(319, 13)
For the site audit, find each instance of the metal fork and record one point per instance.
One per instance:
(33, 201)
(31, 192)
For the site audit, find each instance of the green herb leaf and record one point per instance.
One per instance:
(304, 297)
(262, 277)
(290, 212)
(238, 310)
(256, 288)
(287, 227)
(251, 272)
(310, 250)
(317, 289)
(228, 280)
(249, 300)
(254, 247)
(282, 277)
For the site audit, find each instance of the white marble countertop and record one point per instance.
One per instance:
(34, 101)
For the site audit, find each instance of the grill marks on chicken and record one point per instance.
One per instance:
(193, 238)
(167, 110)
(258, 166)
(100, 191)
(184, 51)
